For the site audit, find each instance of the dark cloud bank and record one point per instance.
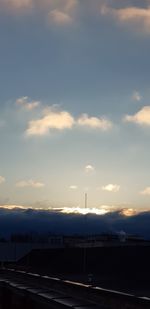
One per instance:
(56, 222)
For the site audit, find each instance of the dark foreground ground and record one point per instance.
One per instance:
(124, 269)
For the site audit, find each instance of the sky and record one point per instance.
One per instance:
(75, 103)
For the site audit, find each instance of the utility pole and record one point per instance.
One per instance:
(84, 244)
(86, 196)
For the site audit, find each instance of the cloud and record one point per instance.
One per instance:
(17, 5)
(58, 11)
(59, 17)
(29, 4)
(30, 183)
(89, 168)
(69, 221)
(2, 180)
(138, 16)
(94, 122)
(26, 103)
(142, 117)
(84, 211)
(111, 188)
(146, 191)
(73, 187)
(136, 96)
(53, 120)
(62, 12)
(70, 5)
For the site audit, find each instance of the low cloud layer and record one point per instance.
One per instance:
(56, 221)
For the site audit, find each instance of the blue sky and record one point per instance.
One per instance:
(75, 103)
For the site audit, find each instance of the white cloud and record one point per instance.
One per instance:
(94, 122)
(111, 188)
(136, 96)
(142, 117)
(26, 103)
(2, 180)
(29, 183)
(146, 191)
(11, 207)
(52, 120)
(89, 168)
(55, 119)
(84, 211)
(73, 187)
(138, 16)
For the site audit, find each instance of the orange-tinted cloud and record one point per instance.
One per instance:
(142, 117)
(134, 15)
(59, 12)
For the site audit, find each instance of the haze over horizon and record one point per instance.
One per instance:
(75, 103)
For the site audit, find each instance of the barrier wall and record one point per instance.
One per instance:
(48, 292)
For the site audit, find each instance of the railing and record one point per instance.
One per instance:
(51, 290)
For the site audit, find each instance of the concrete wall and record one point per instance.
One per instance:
(15, 297)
